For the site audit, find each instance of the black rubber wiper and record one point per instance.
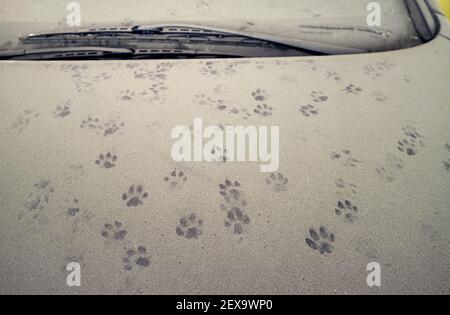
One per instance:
(100, 53)
(71, 53)
(185, 36)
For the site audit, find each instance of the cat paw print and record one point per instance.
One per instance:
(333, 75)
(390, 169)
(277, 182)
(446, 164)
(407, 147)
(244, 114)
(308, 110)
(263, 110)
(347, 210)
(107, 128)
(320, 241)
(236, 219)
(205, 100)
(107, 160)
(411, 141)
(111, 127)
(73, 209)
(127, 95)
(74, 172)
(135, 257)
(24, 119)
(91, 123)
(210, 69)
(259, 95)
(345, 157)
(231, 193)
(102, 77)
(135, 196)
(176, 179)
(39, 198)
(220, 105)
(352, 89)
(189, 227)
(62, 111)
(378, 96)
(377, 69)
(318, 97)
(218, 154)
(344, 187)
(114, 231)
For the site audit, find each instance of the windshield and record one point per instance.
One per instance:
(355, 25)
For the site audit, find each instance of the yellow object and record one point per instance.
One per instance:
(445, 5)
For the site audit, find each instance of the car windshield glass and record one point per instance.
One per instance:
(348, 25)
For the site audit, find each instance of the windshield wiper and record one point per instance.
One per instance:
(66, 53)
(98, 53)
(178, 41)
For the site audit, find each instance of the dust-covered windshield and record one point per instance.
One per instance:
(355, 25)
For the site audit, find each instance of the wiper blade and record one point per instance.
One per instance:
(129, 32)
(66, 53)
(83, 53)
(186, 33)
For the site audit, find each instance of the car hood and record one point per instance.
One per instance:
(343, 123)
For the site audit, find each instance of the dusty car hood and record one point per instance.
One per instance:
(58, 204)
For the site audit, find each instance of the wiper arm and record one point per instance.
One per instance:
(187, 33)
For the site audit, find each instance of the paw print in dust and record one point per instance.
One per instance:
(91, 123)
(42, 195)
(308, 110)
(189, 227)
(107, 160)
(218, 154)
(231, 193)
(345, 157)
(114, 231)
(318, 97)
(111, 127)
(135, 257)
(390, 169)
(259, 95)
(263, 110)
(176, 179)
(333, 75)
(320, 241)
(352, 89)
(24, 119)
(127, 95)
(135, 196)
(62, 111)
(344, 188)
(446, 164)
(411, 142)
(379, 96)
(108, 128)
(277, 181)
(377, 69)
(236, 219)
(347, 210)
(73, 209)
(210, 69)
(74, 172)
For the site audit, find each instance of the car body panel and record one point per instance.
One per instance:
(56, 199)
(445, 5)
